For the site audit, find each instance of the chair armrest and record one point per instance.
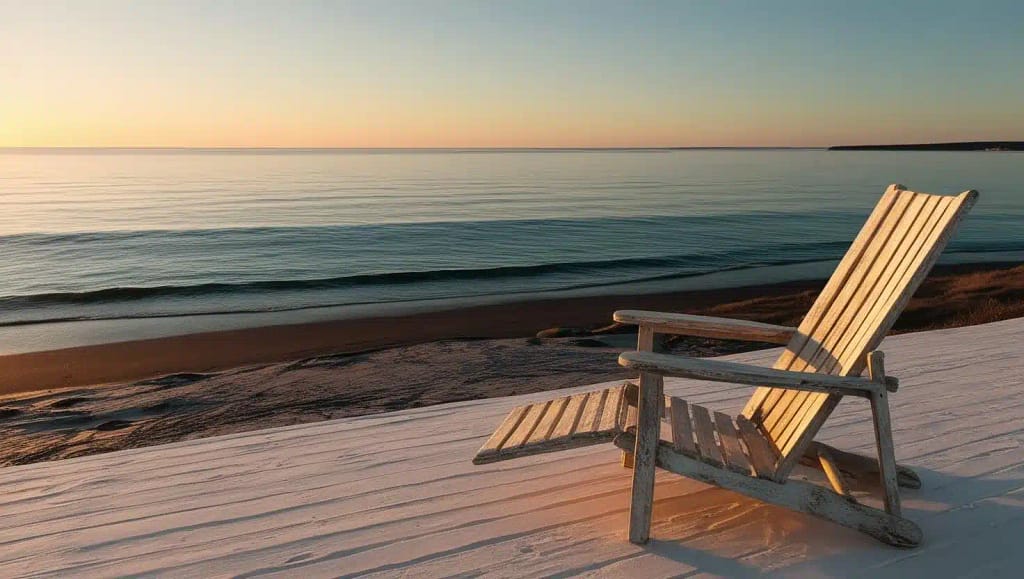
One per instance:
(721, 371)
(706, 326)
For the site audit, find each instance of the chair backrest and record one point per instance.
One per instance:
(886, 263)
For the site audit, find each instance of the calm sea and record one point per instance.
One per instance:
(109, 245)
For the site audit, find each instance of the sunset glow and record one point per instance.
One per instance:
(522, 74)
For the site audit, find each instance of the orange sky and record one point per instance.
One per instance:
(470, 74)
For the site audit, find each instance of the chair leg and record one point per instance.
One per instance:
(858, 466)
(644, 343)
(648, 431)
(828, 464)
(883, 436)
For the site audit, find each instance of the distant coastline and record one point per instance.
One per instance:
(964, 146)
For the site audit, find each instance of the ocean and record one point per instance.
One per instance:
(109, 245)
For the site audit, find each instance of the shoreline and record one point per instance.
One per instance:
(952, 292)
(170, 389)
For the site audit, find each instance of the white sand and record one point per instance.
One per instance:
(396, 493)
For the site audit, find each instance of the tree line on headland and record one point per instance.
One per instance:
(964, 146)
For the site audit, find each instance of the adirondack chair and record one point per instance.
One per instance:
(755, 453)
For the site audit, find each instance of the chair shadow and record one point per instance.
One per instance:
(720, 532)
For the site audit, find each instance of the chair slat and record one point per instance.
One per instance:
(590, 417)
(611, 412)
(735, 459)
(709, 450)
(762, 456)
(682, 431)
(497, 440)
(550, 419)
(631, 415)
(570, 416)
(522, 433)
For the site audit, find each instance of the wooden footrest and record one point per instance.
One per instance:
(569, 422)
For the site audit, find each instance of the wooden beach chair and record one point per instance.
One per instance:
(755, 452)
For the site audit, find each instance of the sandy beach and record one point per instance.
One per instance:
(953, 295)
(81, 401)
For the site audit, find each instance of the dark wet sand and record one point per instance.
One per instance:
(223, 382)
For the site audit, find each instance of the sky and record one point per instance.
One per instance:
(522, 73)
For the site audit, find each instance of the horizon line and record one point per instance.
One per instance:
(272, 148)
